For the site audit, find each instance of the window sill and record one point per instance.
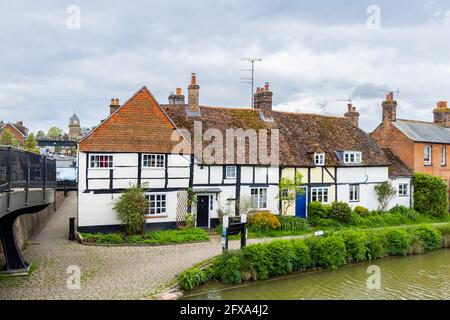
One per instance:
(156, 216)
(153, 168)
(403, 195)
(101, 168)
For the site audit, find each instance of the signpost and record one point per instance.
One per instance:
(230, 229)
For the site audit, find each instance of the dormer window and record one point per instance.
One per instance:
(352, 157)
(319, 159)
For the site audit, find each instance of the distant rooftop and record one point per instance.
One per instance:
(423, 131)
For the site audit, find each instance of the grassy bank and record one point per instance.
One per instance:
(334, 249)
(155, 238)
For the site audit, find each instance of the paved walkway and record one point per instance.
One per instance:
(106, 272)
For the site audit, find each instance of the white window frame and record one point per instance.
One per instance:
(101, 155)
(161, 214)
(443, 155)
(320, 193)
(403, 189)
(427, 154)
(352, 157)
(226, 172)
(258, 200)
(319, 159)
(156, 156)
(354, 189)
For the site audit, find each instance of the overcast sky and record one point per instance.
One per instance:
(314, 53)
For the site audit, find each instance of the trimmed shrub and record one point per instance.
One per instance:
(263, 221)
(398, 242)
(317, 210)
(340, 211)
(282, 255)
(355, 245)
(259, 260)
(377, 246)
(302, 257)
(130, 208)
(445, 232)
(408, 213)
(103, 238)
(328, 223)
(292, 223)
(362, 211)
(313, 246)
(430, 194)
(431, 238)
(331, 252)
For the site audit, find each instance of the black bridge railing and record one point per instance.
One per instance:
(23, 169)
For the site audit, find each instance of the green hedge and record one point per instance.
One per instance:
(290, 223)
(156, 237)
(264, 260)
(430, 194)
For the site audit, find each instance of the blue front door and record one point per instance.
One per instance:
(300, 204)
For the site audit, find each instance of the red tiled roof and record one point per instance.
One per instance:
(139, 125)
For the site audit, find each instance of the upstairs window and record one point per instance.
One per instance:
(352, 157)
(319, 159)
(153, 160)
(443, 156)
(101, 161)
(427, 154)
(230, 172)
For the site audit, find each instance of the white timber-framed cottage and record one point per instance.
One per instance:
(135, 144)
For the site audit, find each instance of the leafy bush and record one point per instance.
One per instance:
(260, 262)
(415, 245)
(385, 192)
(130, 209)
(292, 223)
(408, 213)
(282, 255)
(263, 221)
(340, 211)
(355, 244)
(328, 223)
(230, 267)
(431, 238)
(430, 194)
(377, 246)
(445, 232)
(192, 278)
(331, 252)
(362, 211)
(398, 242)
(317, 210)
(302, 257)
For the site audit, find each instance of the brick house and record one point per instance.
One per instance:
(422, 146)
(19, 131)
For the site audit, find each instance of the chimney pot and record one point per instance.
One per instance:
(193, 78)
(266, 86)
(178, 91)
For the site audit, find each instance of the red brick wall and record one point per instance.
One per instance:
(435, 168)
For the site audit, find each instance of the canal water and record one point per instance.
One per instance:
(424, 276)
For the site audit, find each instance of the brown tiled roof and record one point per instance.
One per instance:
(139, 125)
(142, 125)
(397, 168)
(299, 133)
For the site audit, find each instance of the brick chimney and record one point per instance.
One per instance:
(114, 105)
(193, 96)
(177, 98)
(262, 100)
(352, 115)
(441, 114)
(389, 108)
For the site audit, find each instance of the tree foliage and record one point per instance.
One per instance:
(430, 194)
(385, 192)
(31, 143)
(40, 134)
(288, 190)
(55, 132)
(130, 208)
(7, 138)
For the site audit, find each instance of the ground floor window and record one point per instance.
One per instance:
(259, 198)
(354, 193)
(403, 189)
(157, 204)
(320, 194)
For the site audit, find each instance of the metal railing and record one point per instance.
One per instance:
(23, 169)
